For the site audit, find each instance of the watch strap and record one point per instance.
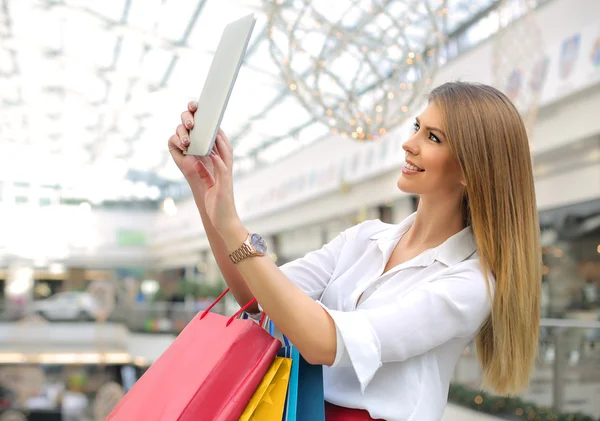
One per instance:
(241, 253)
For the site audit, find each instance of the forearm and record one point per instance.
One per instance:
(310, 328)
(231, 274)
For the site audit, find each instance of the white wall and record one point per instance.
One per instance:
(571, 119)
(567, 186)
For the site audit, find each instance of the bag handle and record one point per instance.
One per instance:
(205, 312)
(240, 311)
(263, 319)
(219, 298)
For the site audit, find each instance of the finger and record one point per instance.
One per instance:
(187, 119)
(222, 133)
(175, 145)
(221, 169)
(184, 136)
(223, 151)
(205, 175)
(192, 107)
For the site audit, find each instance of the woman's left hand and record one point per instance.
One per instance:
(218, 196)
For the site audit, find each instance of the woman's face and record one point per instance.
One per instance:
(437, 171)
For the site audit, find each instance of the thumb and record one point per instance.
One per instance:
(205, 175)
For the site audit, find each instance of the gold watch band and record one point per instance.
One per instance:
(245, 250)
(241, 253)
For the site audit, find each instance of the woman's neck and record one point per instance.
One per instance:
(436, 221)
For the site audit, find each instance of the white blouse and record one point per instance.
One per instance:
(397, 349)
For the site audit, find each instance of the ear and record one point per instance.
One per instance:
(463, 182)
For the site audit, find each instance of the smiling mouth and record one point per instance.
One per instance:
(413, 167)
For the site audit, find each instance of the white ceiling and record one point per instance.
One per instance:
(90, 91)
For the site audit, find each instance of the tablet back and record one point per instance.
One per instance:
(219, 83)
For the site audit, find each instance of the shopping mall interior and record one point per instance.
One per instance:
(103, 256)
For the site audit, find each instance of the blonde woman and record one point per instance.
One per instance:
(388, 309)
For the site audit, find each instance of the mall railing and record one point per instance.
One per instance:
(566, 378)
(159, 316)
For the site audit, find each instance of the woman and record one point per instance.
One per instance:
(397, 304)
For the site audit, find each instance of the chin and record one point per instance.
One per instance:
(405, 186)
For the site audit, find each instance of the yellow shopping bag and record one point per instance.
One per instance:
(268, 401)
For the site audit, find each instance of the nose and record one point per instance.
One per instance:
(411, 145)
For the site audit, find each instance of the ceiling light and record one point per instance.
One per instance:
(57, 268)
(149, 287)
(342, 74)
(169, 206)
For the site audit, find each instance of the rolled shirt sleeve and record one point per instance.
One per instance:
(313, 272)
(423, 319)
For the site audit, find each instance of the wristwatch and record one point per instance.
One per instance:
(253, 246)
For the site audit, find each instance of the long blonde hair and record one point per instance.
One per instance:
(488, 137)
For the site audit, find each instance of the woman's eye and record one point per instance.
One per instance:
(431, 137)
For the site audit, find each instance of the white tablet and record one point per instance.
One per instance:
(218, 85)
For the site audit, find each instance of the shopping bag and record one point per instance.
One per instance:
(268, 401)
(209, 373)
(305, 398)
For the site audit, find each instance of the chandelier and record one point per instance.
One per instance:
(359, 66)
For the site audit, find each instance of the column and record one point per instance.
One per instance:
(75, 279)
(213, 274)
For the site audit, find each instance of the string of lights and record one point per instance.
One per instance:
(360, 67)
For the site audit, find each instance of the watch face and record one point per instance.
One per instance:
(258, 243)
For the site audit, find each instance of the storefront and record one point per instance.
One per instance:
(571, 244)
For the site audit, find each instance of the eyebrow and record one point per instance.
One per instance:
(431, 129)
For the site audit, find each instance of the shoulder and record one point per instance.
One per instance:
(465, 287)
(469, 268)
(467, 279)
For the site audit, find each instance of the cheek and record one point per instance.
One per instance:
(443, 165)
(436, 162)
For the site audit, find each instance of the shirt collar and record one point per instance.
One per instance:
(395, 231)
(452, 251)
(457, 248)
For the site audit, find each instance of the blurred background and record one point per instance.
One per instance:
(103, 258)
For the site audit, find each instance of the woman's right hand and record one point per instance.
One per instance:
(178, 144)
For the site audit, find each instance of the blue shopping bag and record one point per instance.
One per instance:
(305, 399)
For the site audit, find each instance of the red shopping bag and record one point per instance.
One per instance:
(209, 372)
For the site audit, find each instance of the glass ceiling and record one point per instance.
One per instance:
(90, 91)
